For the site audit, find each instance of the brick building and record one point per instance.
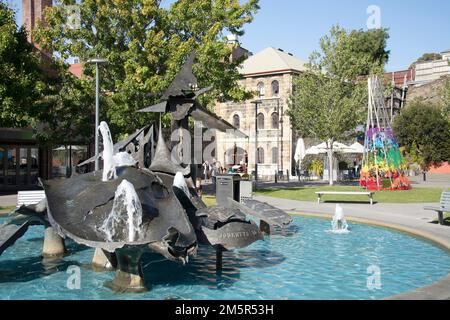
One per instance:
(270, 74)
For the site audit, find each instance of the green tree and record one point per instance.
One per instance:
(424, 133)
(146, 44)
(328, 103)
(20, 82)
(64, 111)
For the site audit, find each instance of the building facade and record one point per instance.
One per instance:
(269, 142)
(429, 71)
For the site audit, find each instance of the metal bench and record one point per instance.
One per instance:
(444, 206)
(351, 193)
(26, 198)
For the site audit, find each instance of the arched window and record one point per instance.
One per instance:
(236, 155)
(275, 120)
(236, 121)
(260, 155)
(261, 89)
(275, 88)
(260, 121)
(274, 155)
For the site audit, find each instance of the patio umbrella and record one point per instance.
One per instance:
(356, 148)
(300, 151)
(313, 151)
(74, 148)
(337, 147)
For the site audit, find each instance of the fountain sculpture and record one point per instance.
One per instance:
(339, 224)
(141, 201)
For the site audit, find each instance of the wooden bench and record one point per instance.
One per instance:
(351, 193)
(444, 206)
(26, 198)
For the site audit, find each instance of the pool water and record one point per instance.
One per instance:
(308, 262)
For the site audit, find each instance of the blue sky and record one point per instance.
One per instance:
(296, 26)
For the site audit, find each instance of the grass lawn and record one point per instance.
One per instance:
(416, 195)
(210, 201)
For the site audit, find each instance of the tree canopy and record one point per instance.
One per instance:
(20, 83)
(146, 44)
(38, 92)
(422, 130)
(328, 103)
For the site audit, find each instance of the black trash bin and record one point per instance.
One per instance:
(227, 186)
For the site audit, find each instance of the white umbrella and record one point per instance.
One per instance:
(74, 148)
(337, 147)
(313, 151)
(300, 151)
(356, 148)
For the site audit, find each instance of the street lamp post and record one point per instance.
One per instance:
(97, 62)
(256, 102)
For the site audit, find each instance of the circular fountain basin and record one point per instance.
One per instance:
(309, 262)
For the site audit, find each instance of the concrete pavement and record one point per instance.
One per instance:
(8, 200)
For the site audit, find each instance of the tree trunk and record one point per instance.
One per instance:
(330, 161)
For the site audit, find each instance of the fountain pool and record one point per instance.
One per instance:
(310, 263)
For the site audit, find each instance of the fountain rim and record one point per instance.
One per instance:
(429, 292)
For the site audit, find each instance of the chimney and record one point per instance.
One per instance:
(32, 13)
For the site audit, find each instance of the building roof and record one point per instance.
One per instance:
(270, 61)
(76, 69)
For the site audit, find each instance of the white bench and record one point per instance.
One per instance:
(444, 206)
(26, 198)
(351, 193)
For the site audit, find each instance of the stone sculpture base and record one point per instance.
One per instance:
(53, 244)
(103, 261)
(219, 259)
(129, 277)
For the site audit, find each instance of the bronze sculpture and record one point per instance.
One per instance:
(173, 220)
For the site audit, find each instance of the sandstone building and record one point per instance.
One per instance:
(270, 75)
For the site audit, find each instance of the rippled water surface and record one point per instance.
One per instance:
(310, 263)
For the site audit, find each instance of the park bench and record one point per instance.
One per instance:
(351, 193)
(26, 198)
(444, 206)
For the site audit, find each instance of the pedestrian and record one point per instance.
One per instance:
(214, 173)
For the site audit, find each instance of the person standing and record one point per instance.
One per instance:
(214, 173)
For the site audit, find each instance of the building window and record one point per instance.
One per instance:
(275, 88)
(260, 121)
(261, 90)
(275, 155)
(260, 155)
(236, 121)
(275, 120)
